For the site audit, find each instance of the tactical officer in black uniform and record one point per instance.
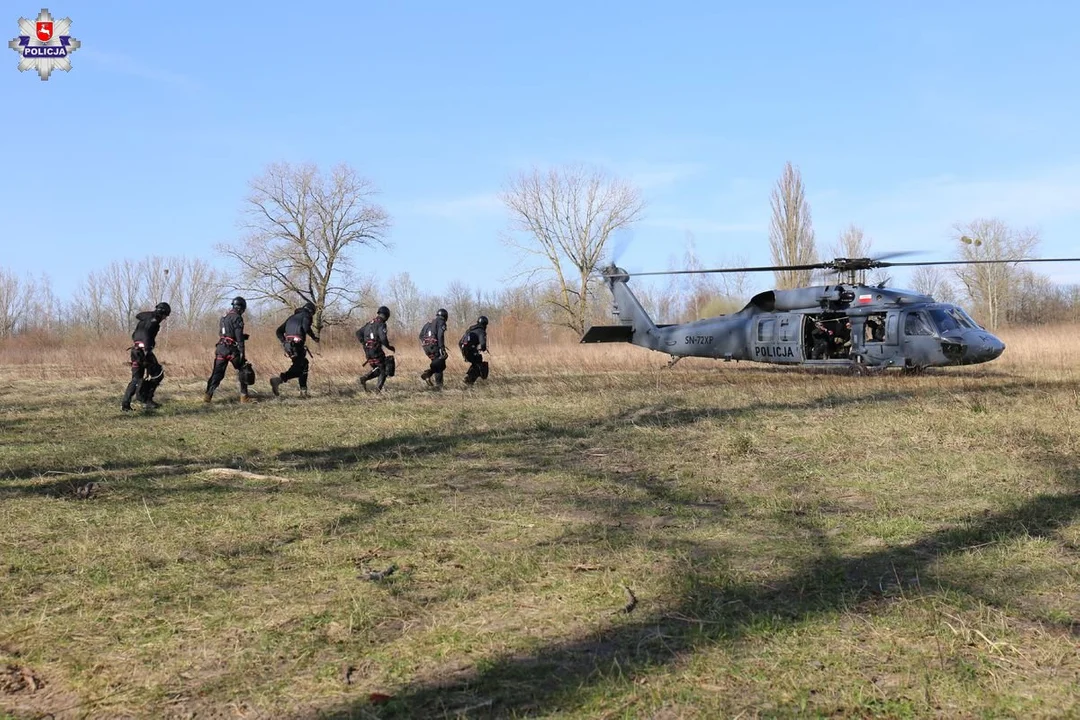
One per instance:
(146, 371)
(820, 335)
(472, 343)
(373, 336)
(230, 349)
(293, 335)
(433, 343)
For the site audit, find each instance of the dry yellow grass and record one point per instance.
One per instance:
(800, 543)
(1041, 350)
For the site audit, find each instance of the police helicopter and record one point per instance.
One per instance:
(846, 324)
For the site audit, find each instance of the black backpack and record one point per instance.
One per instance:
(368, 336)
(429, 340)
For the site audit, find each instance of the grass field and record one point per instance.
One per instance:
(796, 544)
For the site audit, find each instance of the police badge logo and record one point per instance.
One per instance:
(44, 44)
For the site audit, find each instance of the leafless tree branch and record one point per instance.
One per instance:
(565, 217)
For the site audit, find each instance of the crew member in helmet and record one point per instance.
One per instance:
(230, 349)
(472, 343)
(433, 343)
(374, 338)
(146, 371)
(293, 335)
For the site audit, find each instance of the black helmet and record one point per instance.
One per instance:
(383, 312)
(309, 306)
(162, 309)
(239, 304)
(482, 321)
(441, 312)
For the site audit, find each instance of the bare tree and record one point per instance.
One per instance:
(698, 290)
(852, 243)
(461, 305)
(89, 305)
(791, 231)
(933, 281)
(109, 298)
(407, 304)
(198, 289)
(1036, 299)
(302, 229)
(736, 287)
(990, 286)
(125, 288)
(16, 302)
(47, 309)
(567, 216)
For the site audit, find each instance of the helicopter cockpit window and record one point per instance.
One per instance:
(944, 321)
(960, 317)
(765, 330)
(974, 325)
(915, 324)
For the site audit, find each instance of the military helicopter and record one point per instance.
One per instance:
(846, 324)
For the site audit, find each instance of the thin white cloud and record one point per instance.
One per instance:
(1031, 199)
(703, 225)
(126, 65)
(653, 176)
(466, 207)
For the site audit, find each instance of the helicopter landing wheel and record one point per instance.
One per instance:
(914, 369)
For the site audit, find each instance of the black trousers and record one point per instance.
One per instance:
(146, 375)
(299, 367)
(436, 370)
(378, 370)
(476, 364)
(224, 354)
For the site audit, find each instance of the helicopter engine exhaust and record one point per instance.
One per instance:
(799, 298)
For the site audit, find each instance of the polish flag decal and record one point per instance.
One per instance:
(865, 299)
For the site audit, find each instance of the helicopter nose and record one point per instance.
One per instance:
(984, 347)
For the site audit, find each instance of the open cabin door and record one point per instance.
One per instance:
(880, 336)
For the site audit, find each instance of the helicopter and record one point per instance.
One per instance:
(846, 324)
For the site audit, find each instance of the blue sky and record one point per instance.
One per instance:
(903, 117)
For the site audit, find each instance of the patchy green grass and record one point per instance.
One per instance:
(798, 544)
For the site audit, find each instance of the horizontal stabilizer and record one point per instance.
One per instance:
(608, 334)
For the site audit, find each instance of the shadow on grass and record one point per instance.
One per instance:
(555, 677)
(537, 440)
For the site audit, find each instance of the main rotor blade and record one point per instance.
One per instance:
(767, 268)
(901, 253)
(976, 262)
(619, 244)
(831, 265)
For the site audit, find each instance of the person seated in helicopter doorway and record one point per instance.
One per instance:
(842, 341)
(820, 335)
(875, 328)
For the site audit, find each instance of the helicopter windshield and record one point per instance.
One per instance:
(950, 318)
(970, 323)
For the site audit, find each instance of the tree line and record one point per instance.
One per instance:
(995, 294)
(308, 233)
